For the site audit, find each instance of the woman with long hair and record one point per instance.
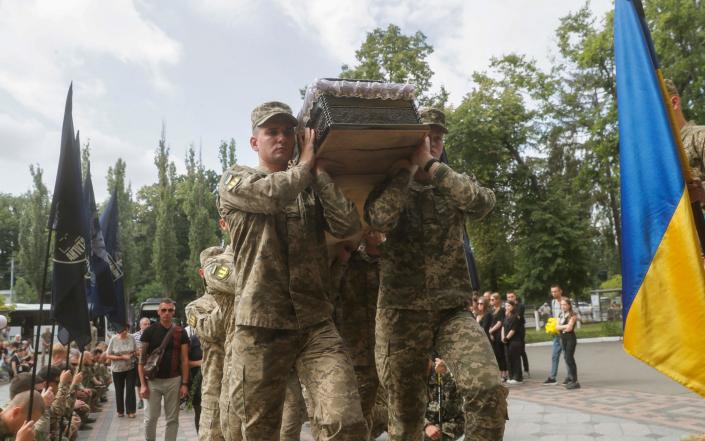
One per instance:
(566, 325)
(512, 339)
(496, 333)
(121, 353)
(483, 315)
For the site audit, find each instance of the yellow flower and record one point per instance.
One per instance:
(551, 326)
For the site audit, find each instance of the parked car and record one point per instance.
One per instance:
(585, 309)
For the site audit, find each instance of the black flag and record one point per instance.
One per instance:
(109, 225)
(67, 218)
(101, 295)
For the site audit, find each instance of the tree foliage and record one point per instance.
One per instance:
(389, 55)
(33, 232)
(10, 212)
(199, 207)
(165, 247)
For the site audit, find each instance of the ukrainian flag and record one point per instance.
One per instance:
(663, 278)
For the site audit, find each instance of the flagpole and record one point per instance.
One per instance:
(80, 362)
(39, 325)
(51, 343)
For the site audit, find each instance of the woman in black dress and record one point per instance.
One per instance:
(512, 339)
(496, 334)
(483, 316)
(566, 324)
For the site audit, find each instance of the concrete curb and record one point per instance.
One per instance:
(580, 340)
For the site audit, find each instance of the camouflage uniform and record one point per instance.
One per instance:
(423, 286)
(205, 317)
(277, 222)
(355, 309)
(451, 407)
(57, 410)
(295, 411)
(693, 138)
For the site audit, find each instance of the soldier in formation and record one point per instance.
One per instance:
(278, 315)
(205, 316)
(277, 216)
(422, 207)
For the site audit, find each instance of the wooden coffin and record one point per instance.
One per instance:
(361, 136)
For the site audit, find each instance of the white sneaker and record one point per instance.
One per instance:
(512, 382)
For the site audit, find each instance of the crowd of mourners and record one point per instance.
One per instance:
(66, 392)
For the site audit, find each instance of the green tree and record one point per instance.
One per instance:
(23, 292)
(389, 55)
(504, 132)
(587, 116)
(678, 31)
(129, 247)
(33, 233)
(198, 204)
(10, 210)
(226, 154)
(165, 247)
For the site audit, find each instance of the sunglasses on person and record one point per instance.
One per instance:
(168, 310)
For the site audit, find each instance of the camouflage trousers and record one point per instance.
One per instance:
(295, 413)
(367, 385)
(231, 426)
(404, 341)
(262, 360)
(209, 424)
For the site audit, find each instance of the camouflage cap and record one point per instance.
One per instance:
(265, 111)
(208, 253)
(433, 117)
(671, 87)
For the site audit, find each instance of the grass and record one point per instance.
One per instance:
(604, 329)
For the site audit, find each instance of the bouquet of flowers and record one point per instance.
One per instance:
(551, 326)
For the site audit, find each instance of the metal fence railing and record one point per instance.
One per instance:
(605, 305)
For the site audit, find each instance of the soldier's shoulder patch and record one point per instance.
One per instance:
(220, 272)
(192, 320)
(231, 180)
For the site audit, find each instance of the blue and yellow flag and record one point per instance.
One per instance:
(663, 287)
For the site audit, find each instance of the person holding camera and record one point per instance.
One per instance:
(163, 371)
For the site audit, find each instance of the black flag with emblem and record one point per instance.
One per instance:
(68, 220)
(109, 225)
(101, 295)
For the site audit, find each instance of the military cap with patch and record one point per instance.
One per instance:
(208, 253)
(265, 111)
(433, 117)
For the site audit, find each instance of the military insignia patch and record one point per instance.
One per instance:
(192, 321)
(220, 272)
(230, 182)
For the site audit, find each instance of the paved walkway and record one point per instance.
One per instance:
(621, 400)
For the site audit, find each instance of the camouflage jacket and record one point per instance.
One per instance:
(71, 400)
(205, 316)
(58, 410)
(423, 264)
(356, 305)
(102, 373)
(451, 408)
(277, 223)
(693, 138)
